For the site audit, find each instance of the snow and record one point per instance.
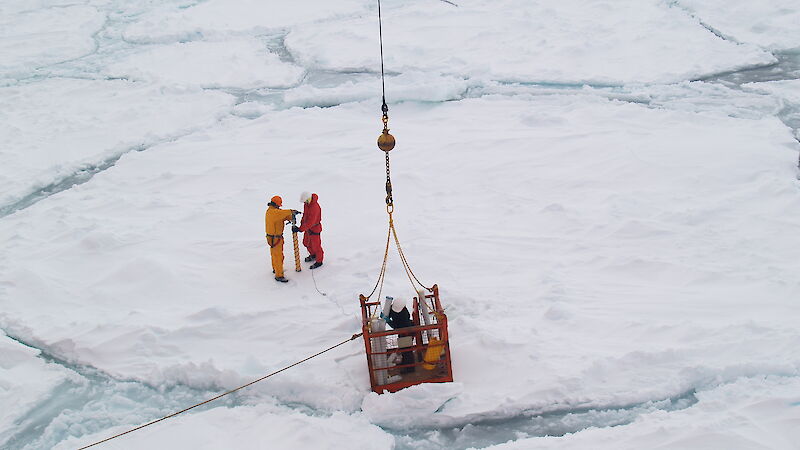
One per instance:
(788, 90)
(37, 37)
(412, 406)
(233, 16)
(749, 413)
(279, 428)
(770, 24)
(635, 42)
(610, 225)
(413, 86)
(242, 63)
(788, 94)
(25, 381)
(56, 127)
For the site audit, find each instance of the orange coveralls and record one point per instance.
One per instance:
(274, 221)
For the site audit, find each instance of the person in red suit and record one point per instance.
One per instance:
(311, 227)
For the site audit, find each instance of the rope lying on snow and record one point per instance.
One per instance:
(315, 284)
(355, 336)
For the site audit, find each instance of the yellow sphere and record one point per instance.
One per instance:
(385, 141)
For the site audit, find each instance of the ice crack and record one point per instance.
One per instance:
(94, 401)
(80, 176)
(478, 431)
(712, 30)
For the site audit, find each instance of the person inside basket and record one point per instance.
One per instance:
(399, 317)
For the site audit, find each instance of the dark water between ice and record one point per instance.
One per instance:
(481, 433)
(786, 68)
(93, 401)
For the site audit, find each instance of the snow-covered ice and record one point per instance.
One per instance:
(214, 17)
(41, 36)
(749, 413)
(606, 193)
(241, 63)
(25, 381)
(530, 41)
(55, 128)
(787, 90)
(770, 24)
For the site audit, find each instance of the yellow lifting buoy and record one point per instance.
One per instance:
(385, 140)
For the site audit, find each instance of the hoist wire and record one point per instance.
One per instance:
(389, 198)
(384, 108)
(353, 337)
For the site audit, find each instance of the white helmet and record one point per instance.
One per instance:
(305, 196)
(398, 304)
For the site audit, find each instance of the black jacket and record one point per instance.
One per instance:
(400, 319)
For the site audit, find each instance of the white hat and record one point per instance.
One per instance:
(305, 196)
(398, 304)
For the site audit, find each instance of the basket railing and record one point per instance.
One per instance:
(427, 346)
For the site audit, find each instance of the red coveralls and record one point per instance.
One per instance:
(311, 226)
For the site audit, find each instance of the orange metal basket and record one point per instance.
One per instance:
(428, 343)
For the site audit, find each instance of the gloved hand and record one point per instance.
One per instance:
(295, 228)
(383, 316)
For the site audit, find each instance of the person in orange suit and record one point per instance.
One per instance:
(275, 220)
(311, 227)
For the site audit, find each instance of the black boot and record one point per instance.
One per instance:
(315, 265)
(281, 279)
(310, 258)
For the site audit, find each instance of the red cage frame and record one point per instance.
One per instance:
(427, 367)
